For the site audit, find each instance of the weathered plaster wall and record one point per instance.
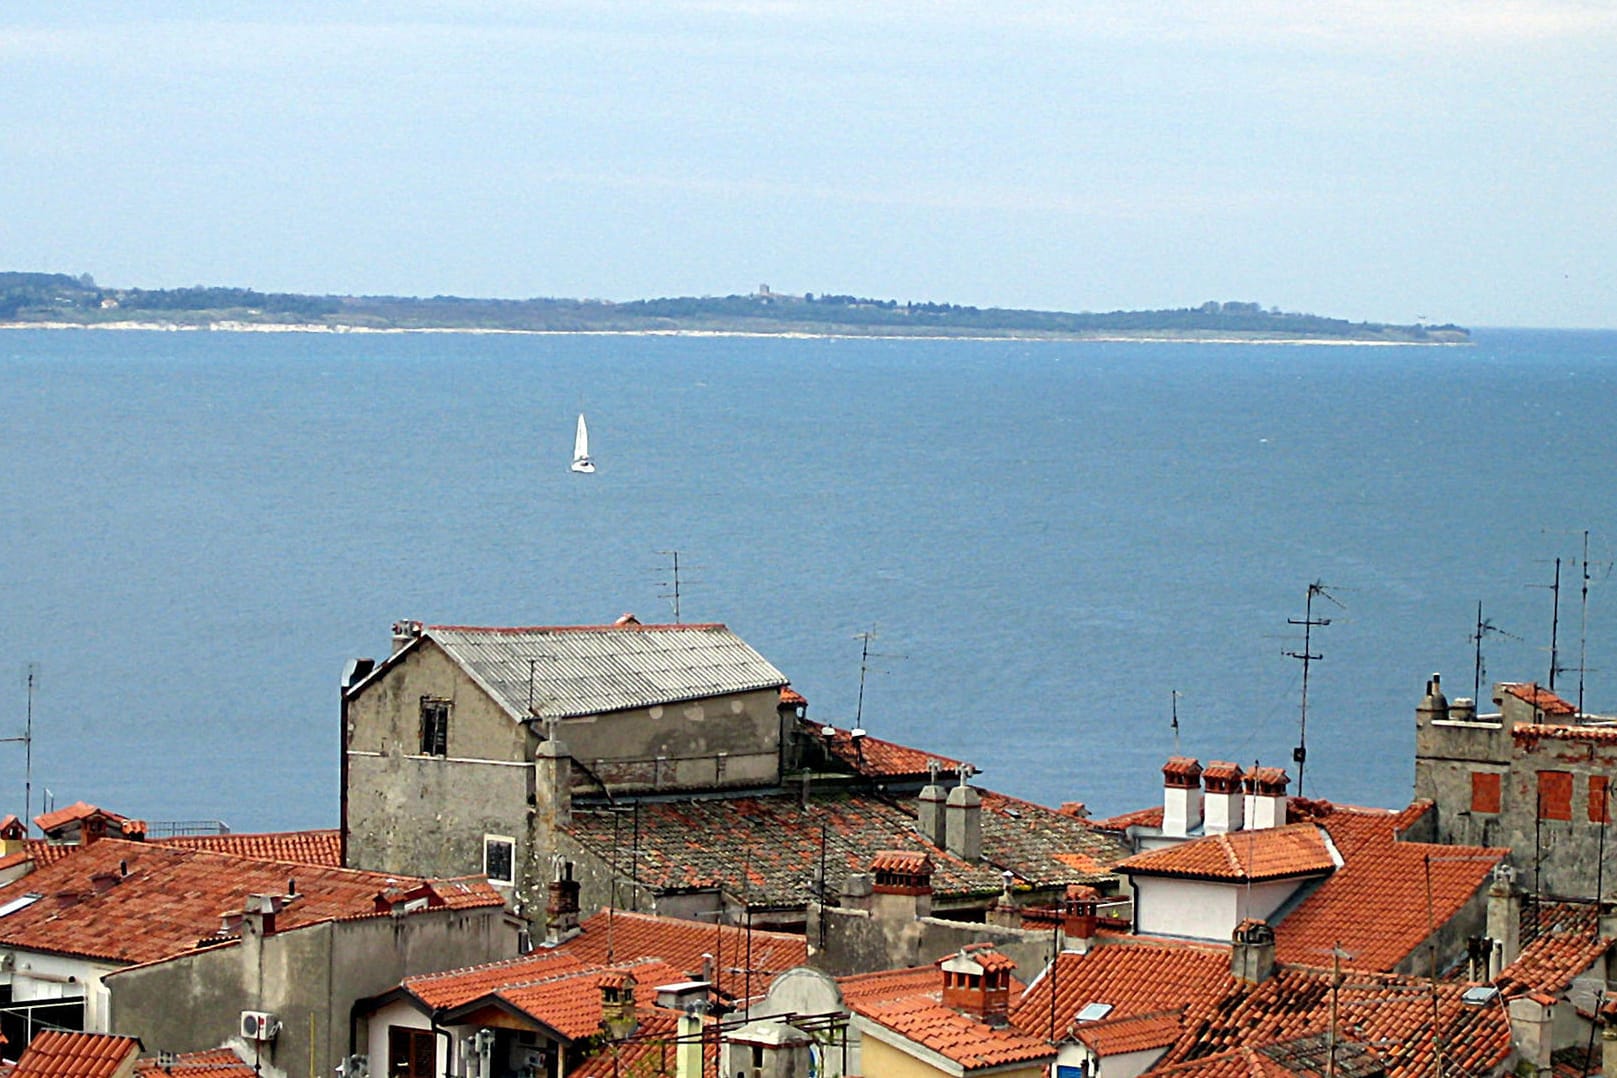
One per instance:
(309, 977)
(726, 741)
(858, 942)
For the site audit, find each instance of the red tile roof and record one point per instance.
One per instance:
(571, 1003)
(1393, 1013)
(1134, 977)
(131, 902)
(1529, 734)
(1539, 697)
(1271, 853)
(215, 1063)
(768, 849)
(78, 810)
(875, 758)
(889, 985)
(1134, 1033)
(1564, 943)
(971, 1044)
(452, 988)
(905, 862)
(682, 944)
(1375, 908)
(647, 1053)
(56, 1054)
(323, 847)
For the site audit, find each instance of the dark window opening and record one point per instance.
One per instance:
(434, 726)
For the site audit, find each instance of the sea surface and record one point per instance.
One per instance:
(1049, 540)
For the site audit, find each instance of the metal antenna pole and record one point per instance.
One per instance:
(1175, 694)
(1308, 622)
(1555, 624)
(1484, 627)
(674, 583)
(31, 682)
(864, 668)
(1583, 622)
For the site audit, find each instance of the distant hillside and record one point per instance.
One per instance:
(58, 298)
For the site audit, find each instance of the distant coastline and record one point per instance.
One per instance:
(337, 329)
(56, 301)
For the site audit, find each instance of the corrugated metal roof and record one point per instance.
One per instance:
(594, 669)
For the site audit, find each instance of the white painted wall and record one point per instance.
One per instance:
(1201, 909)
(398, 1014)
(36, 977)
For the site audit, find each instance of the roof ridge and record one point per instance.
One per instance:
(609, 627)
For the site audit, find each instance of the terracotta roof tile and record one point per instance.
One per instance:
(647, 1053)
(323, 847)
(1539, 697)
(972, 1044)
(1564, 943)
(682, 944)
(1375, 906)
(875, 758)
(1271, 853)
(1395, 1014)
(707, 843)
(133, 902)
(79, 810)
(453, 988)
(215, 1063)
(571, 1004)
(1135, 978)
(889, 985)
(1529, 734)
(56, 1054)
(907, 862)
(1134, 1033)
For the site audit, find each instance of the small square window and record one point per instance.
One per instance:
(499, 859)
(1599, 803)
(1555, 795)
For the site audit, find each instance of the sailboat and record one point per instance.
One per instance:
(581, 448)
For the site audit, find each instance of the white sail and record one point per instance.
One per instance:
(581, 448)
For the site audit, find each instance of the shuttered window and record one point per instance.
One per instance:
(1599, 803)
(1485, 791)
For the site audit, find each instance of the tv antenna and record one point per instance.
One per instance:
(1555, 622)
(30, 676)
(865, 655)
(1309, 622)
(1583, 624)
(1175, 709)
(1484, 627)
(673, 583)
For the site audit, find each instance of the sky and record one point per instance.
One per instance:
(1441, 162)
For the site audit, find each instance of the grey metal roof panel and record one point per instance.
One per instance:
(594, 669)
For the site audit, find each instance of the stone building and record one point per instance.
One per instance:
(1534, 776)
(461, 750)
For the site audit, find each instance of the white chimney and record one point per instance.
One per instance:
(1181, 796)
(1224, 805)
(1265, 797)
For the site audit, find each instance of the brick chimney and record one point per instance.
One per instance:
(1252, 951)
(1223, 803)
(561, 908)
(1079, 914)
(1265, 797)
(977, 982)
(901, 888)
(1181, 796)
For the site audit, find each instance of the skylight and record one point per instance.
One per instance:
(20, 903)
(1093, 1012)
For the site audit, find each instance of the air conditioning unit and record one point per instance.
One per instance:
(259, 1026)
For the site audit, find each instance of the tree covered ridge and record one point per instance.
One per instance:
(55, 297)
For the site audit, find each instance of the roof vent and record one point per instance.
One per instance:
(626, 619)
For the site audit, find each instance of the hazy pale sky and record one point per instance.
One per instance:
(1385, 161)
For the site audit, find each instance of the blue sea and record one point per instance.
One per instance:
(1049, 540)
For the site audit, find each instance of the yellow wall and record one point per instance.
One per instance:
(880, 1060)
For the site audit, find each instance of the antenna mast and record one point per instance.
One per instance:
(1583, 623)
(31, 682)
(1555, 624)
(1175, 695)
(864, 668)
(674, 595)
(1483, 628)
(1308, 622)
